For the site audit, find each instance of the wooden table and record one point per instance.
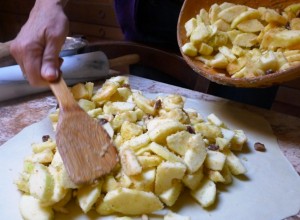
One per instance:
(17, 114)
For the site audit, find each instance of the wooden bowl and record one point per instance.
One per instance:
(192, 7)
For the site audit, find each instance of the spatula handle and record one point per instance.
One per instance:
(5, 56)
(63, 94)
(124, 60)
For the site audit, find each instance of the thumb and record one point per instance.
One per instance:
(50, 70)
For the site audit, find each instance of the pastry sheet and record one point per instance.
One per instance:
(269, 190)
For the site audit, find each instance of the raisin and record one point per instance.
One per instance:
(45, 138)
(125, 85)
(259, 147)
(157, 104)
(288, 26)
(190, 129)
(213, 147)
(102, 121)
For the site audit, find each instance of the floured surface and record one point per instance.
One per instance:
(269, 190)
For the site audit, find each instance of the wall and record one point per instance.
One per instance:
(94, 19)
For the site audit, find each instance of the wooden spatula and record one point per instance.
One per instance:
(85, 147)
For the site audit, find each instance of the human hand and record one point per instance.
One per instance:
(36, 48)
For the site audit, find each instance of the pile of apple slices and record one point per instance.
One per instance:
(244, 41)
(164, 148)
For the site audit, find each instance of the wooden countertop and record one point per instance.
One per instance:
(17, 114)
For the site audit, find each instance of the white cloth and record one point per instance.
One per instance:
(77, 68)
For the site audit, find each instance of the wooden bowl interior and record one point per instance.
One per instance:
(191, 8)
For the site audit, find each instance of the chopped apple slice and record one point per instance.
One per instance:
(130, 162)
(41, 183)
(227, 53)
(252, 26)
(245, 40)
(189, 26)
(88, 195)
(170, 196)
(289, 39)
(236, 65)
(39, 147)
(222, 25)
(226, 174)
(103, 207)
(178, 142)
(196, 153)
(225, 5)
(246, 15)
(205, 193)
(238, 51)
(293, 58)
(232, 34)
(272, 16)
(132, 202)
(234, 164)
(31, 209)
(215, 160)
(200, 34)
(43, 157)
(165, 174)
(295, 24)
(268, 61)
(59, 192)
(238, 140)
(219, 61)
(137, 143)
(213, 13)
(143, 103)
(215, 176)
(79, 91)
(205, 49)
(209, 131)
(232, 12)
(293, 8)
(161, 131)
(164, 152)
(149, 161)
(203, 15)
(117, 107)
(145, 180)
(189, 49)
(86, 105)
(192, 180)
(110, 183)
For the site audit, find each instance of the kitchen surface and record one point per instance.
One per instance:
(158, 70)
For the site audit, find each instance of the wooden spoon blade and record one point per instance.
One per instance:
(85, 147)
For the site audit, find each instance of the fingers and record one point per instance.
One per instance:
(32, 69)
(40, 65)
(28, 56)
(38, 44)
(50, 69)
